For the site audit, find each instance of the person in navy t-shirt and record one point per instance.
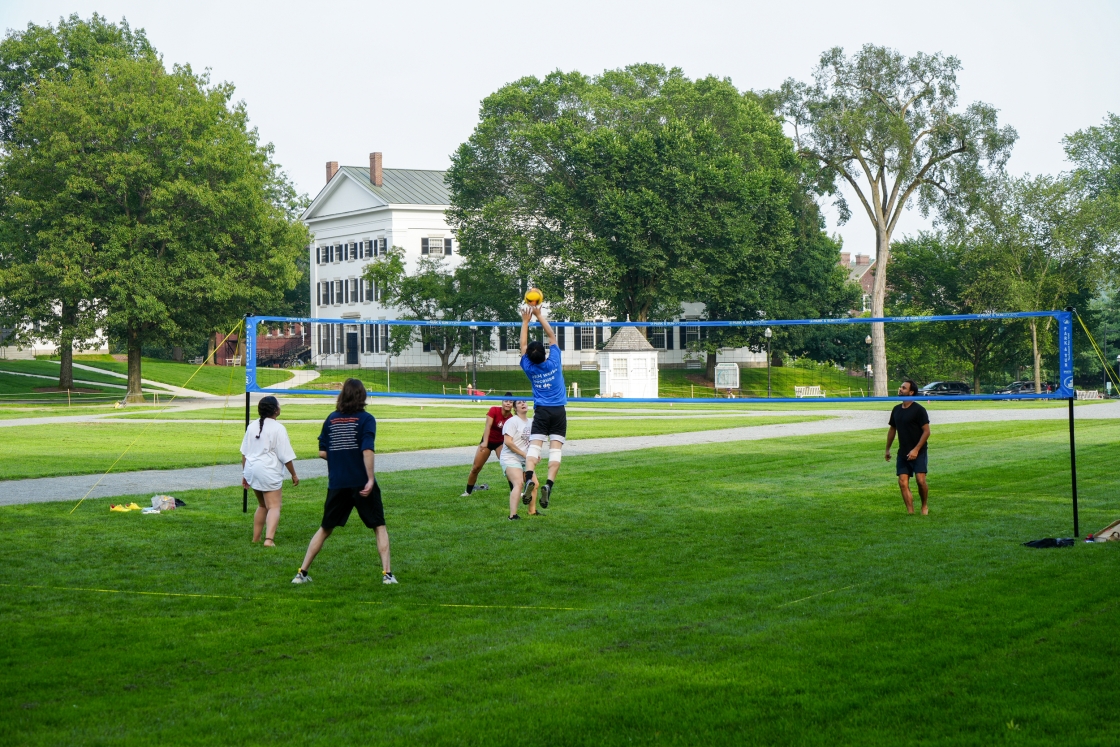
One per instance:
(347, 443)
(550, 396)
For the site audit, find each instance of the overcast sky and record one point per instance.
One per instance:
(335, 80)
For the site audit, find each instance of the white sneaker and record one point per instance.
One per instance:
(388, 578)
(301, 579)
(464, 494)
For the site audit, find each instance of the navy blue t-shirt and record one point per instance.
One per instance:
(547, 379)
(344, 437)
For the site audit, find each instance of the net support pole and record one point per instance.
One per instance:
(1073, 469)
(244, 490)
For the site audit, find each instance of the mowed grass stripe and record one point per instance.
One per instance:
(91, 448)
(696, 563)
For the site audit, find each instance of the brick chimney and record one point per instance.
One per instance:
(332, 169)
(863, 259)
(845, 258)
(375, 169)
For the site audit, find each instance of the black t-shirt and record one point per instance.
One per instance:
(344, 438)
(908, 422)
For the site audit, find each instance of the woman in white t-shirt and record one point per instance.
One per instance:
(265, 452)
(515, 432)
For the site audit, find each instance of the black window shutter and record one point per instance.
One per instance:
(703, 333)
(560, 337)
(668, 338)
(318, 255)
(684, 338)
(424, 250)
(598, 335)
(502, 338)
(447, 247)
(577, 334)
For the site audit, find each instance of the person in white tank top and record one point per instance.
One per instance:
(515, 432)
(265, 452)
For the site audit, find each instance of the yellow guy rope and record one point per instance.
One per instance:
(1100, 353)
(149, 425)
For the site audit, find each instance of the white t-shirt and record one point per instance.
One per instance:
(266, 456)
(519, 428)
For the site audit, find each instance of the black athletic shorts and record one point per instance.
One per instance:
(493, 444)
(341, 501)
(551, 422)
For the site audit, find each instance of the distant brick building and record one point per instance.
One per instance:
(861, 269)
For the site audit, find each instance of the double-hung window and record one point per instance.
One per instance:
(337, 299)
(353, 282)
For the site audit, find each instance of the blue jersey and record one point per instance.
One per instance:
(344, 438)
(547, 379)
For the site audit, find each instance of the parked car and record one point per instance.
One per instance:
(944, 389)
(1019, 387)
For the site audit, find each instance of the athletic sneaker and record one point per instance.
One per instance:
(515, 517)
(527, 493)
(483, 486)
(301, 579)
(388, 578)
(545, 493)
(464, 494)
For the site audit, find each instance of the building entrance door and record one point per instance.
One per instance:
(352, 348)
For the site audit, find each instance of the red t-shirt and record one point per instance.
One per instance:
(500, 419)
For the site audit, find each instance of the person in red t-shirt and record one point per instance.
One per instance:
(492, 439)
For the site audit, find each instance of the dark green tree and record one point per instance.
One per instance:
(186, 221)
(45, 286)
(625, 193)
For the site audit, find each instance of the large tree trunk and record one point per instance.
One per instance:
(135, 393)
(211, 356)
(177, 353)
(66, 349)
(1037, 357)
(878, 304)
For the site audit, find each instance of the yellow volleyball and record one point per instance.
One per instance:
(534, 297)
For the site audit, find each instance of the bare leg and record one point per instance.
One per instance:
(259, 515)
(554, 467)
(480, 458)
(923, 491)
(517, 477)
(383, 548)
(317, 545)
(907, 496)
(272, 518)
(533, 501)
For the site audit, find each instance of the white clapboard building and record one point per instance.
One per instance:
(361, 212)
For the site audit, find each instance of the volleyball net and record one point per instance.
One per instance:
(1017, 356)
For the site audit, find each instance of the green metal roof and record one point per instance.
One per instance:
(404, 186)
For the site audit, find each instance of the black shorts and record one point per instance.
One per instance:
(549, 424)
(493, 444)
(904, 466)
(341, 501)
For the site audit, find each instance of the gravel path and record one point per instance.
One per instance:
(148, 482)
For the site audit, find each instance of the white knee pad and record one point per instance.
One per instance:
(554, 455)
(534, 450)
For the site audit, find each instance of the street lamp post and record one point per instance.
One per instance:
(867, 366)
(769, 334)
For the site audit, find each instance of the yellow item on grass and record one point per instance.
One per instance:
(120, 507)
(133, 507)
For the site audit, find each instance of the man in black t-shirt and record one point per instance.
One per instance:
(911, 422)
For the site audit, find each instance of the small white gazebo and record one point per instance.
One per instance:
(628, 366)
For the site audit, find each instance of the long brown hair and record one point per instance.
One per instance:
(352, 398)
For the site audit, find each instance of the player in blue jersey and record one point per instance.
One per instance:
(550, 395)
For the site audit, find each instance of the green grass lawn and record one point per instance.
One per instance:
(767, 592)
(23, 388)
(50, 368)
(90, 448)
(209, 379)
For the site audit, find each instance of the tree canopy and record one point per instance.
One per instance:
(628, 192)
(890, 127)
(154, 181)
